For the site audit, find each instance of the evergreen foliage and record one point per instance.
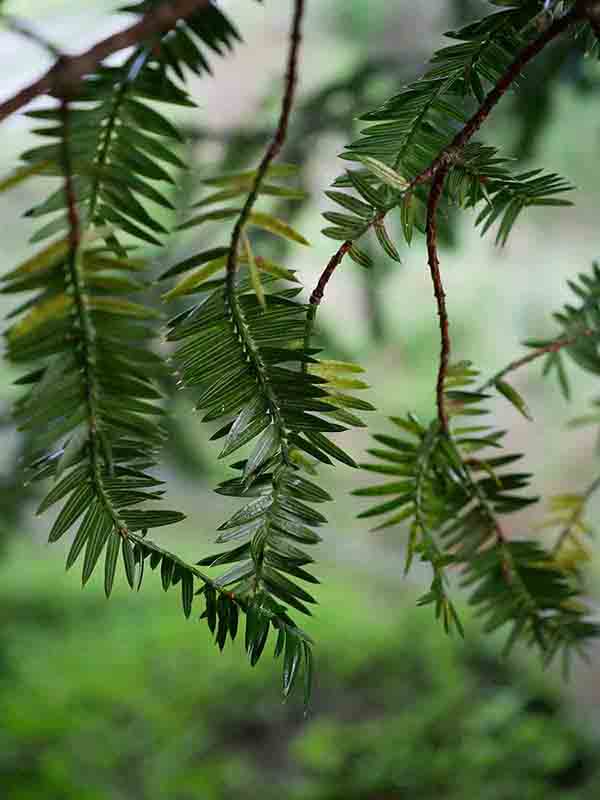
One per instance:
(91, 397)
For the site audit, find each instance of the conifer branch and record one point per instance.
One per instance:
(435, 195)
(68, 72)
(539, 352)
(277, 142)
(449, 154)
(85, 326)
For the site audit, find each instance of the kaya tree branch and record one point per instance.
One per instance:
(449, 153)
(435, 196)
(67, 73)
(437, 171)
(278, 140)
(539, 352)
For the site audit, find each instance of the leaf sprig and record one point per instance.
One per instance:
(454, 493)
(242, 352)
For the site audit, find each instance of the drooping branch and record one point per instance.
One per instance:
(435, 195)
(66, 74)
(552, 347)
(235, 309)
(450, 153)
(278, 140)
(436, 173)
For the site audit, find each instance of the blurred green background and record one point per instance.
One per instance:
(126, 699)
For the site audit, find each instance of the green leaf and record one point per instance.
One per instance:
(77, 441)
(386, 243)
(128, 560)
(206, 257)
(254, 274)
(110, 563)
(93, 519)
(360, 257)
(265, 448)
(276, 227)
(291, 661)
(77, 503)
(187, 592)
(351, 203)
(95, 545)
(192, 282)
(407, 217)
(22, 174)
(513, 397)
(385, 173)
(368, 192)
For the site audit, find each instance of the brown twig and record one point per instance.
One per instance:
(66, 74)
(435, 195)
(319, 290)
(449, 154)
(278, 140)
(552, 347)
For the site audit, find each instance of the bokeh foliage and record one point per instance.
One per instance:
(120, 701)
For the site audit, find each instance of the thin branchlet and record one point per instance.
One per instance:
(84, 323)
(318, 294)
(435, 196)
(539, 352)
(237, 314)
(277, 142)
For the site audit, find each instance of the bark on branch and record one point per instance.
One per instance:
(65, 75)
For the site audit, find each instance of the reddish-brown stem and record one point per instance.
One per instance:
(552, 347)
(66, 74)
(278, 140)
(319, 290)
(435, 195)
